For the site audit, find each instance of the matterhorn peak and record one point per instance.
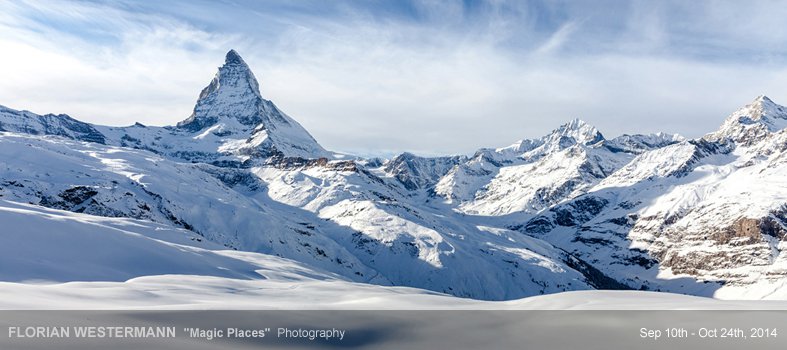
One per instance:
(232, 96)
(231, 108)
(233, 58)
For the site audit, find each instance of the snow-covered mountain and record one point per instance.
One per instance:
(59, 125)
(267, 197)
(571, 210)
(231, 112)
(752, 123)
(232, 125)
(416, 172)
(699, 216)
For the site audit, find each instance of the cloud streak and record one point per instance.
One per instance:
(431, 77)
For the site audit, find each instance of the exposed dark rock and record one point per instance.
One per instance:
(539, 224)
(742, 231)
(594, 276)
(415, 172)
(77, 195)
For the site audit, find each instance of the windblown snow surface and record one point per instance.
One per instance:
(49, 255)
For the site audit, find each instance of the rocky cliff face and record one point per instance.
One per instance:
(416, 173)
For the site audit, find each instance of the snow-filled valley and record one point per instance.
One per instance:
(238, 206)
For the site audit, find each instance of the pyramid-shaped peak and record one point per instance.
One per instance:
(233, 58)
(232, 96)
(231, 108)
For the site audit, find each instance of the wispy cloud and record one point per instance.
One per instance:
(425, 76)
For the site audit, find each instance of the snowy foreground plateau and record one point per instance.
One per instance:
(239, 207)
(150, 266)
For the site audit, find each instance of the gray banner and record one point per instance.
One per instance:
(456, 330)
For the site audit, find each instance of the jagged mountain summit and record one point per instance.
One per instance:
(233, 96)
(231, 106)
(571, 210)
(753, 122)
(575, 132)
(533, 174)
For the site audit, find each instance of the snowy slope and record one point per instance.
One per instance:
(297, 212)
(52, 259)
(418, 246)
(120, 182)
(46, 245)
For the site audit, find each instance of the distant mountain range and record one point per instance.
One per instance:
(572, 210)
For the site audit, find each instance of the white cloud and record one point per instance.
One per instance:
(150, 70)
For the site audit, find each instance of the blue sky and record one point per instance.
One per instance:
(380, 77)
